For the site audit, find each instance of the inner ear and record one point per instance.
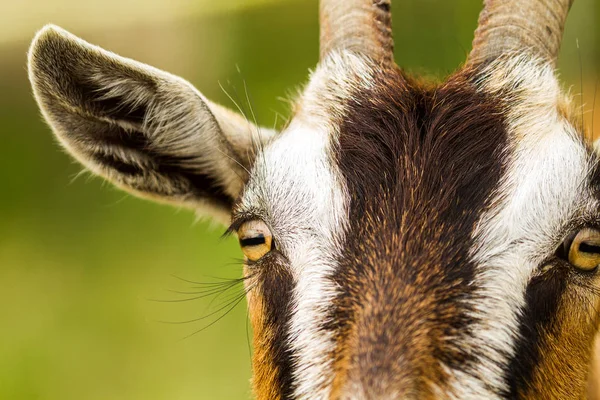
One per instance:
(116, 106)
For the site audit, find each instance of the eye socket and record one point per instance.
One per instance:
(582, 249)
(255, 239)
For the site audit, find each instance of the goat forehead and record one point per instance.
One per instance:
(417, 158)
(384, 135)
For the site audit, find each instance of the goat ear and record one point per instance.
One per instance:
(146, 131)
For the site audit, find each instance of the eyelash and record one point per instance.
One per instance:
(238, 221)
(235, 226)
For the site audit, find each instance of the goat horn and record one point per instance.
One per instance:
(360, 26)
(532, 26)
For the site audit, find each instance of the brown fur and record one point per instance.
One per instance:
(269, 296)
(265, 373)
(567, 344)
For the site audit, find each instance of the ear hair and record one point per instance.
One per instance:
(145, 130)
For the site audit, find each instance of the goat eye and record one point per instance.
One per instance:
(583, 249)
(255, 239)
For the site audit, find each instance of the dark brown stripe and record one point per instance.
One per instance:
(276, 285)
(421, 165)
(542, 300)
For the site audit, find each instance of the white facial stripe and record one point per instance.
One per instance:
(306, 206)
(337, 78)
(297, 185)
(543, 189)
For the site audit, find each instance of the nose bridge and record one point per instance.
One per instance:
(392, 343)
(380, 390)
(403, 318)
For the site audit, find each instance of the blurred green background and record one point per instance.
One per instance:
(81, 263)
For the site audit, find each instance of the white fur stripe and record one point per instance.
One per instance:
(306, 202)
(335, 80)
(539, 195)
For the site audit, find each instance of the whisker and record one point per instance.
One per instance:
(217, 290)
(581, 84)
(196, 319)
(234, 102)
(248, 333)
(204, 284)
(594, 108)
(185, 280)
(251, 152)
(245, 117)
(249, 102)
(209, 285)
(201, 296)
(218, 319)
(255, 137)
(258, 146)
(226, 300)
(186, 292)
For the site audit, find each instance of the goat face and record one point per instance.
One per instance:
(402, 240)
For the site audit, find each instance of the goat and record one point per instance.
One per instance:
(402, 239)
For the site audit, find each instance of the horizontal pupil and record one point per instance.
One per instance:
(255, 241)
(589, 248)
